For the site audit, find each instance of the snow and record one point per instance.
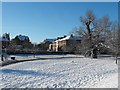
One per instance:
(49, 40)
(20, 57)
(65, 72)
(69, 38)
(3, 39)
(22, 37)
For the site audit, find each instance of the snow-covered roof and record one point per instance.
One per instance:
(49, 40)
(69, 38)
(3, 39)
(22, 37)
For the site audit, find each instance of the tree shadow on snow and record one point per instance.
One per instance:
(26, 72)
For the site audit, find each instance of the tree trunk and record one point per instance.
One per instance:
(94, 53)
(90, 36)
(116, 56)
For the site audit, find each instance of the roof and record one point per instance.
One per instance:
(22, 37)
(49, 40)
(3, 39)
(69, 38)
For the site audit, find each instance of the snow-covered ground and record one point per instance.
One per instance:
(20, 57)
(62, 72)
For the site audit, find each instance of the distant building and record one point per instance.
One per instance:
(49, 40)
(20, 42)
(20, 39)
(4, 42)
(66, 44)
(44, 46)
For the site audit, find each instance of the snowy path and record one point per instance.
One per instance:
(61, 73)
(23, 58)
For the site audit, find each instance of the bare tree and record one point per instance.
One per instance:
(119, 39)
(88, 21)
(98, 33)
(88, 38)
(94, 32)
(113, 40)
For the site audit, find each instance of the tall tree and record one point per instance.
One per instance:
(93, 32)
(89, 23)
(113, 40)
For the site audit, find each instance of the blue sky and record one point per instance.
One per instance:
(41, 20)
